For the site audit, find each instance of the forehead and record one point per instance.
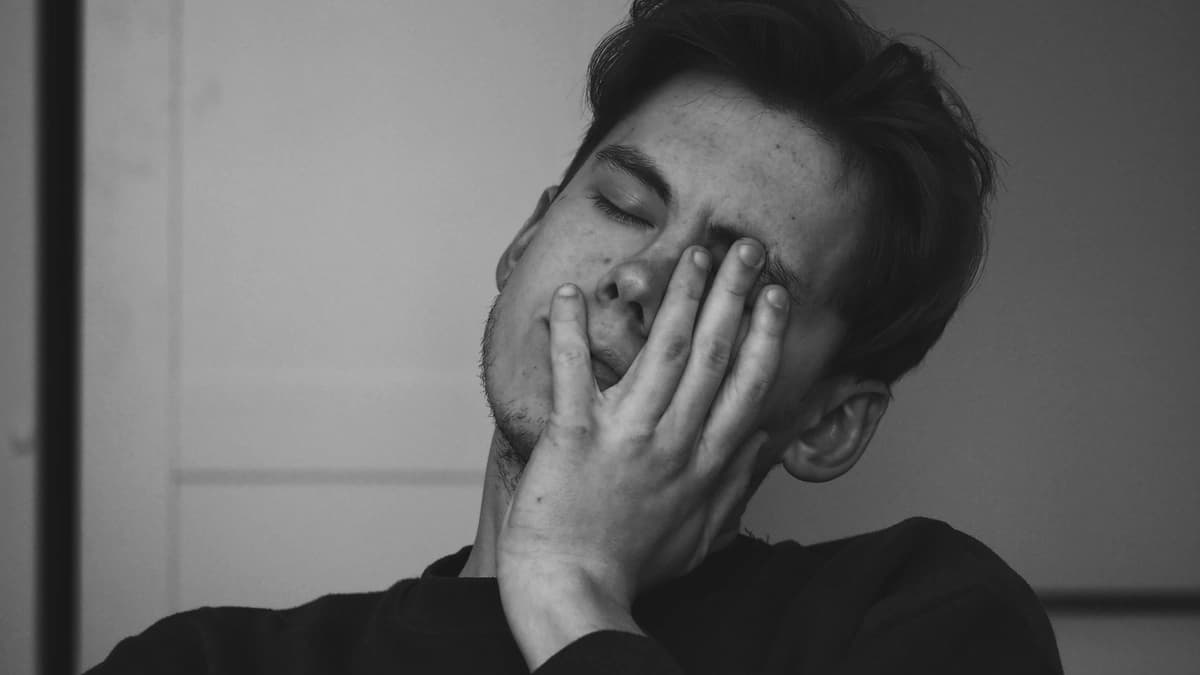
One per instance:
(731, 160)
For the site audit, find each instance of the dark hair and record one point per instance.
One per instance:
(901, 130)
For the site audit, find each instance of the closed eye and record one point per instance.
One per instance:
(771, 274)
(721, 237)
(612, 211)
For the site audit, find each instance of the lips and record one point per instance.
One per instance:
(606, 375)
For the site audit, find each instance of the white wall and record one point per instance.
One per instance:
(17, 278)
(293, 216)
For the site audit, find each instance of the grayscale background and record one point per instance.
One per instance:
(292, 214)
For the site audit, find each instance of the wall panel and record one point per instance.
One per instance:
(18, 269)
(350, 174)
(127, 385)
(280, 545)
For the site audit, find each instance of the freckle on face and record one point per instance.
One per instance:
(606, 261)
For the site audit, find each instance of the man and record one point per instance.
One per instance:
(771, 218)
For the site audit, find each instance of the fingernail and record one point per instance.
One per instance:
(749, 253)
(777, 297)
(700, 258)
(567, 291)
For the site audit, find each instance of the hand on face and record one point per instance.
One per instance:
(630, 486)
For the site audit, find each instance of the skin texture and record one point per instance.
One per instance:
(637, 412)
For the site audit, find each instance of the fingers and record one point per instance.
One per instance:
(715, 336)
(654, 375)
(746, 386)
(682, 382)
(573, 382)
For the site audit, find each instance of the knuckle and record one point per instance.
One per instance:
(693, 289)
(571, 430)
(705, 448)
(756, 387)
(738, 283)
(639, 433)
(774, 328)
(671, 462)
(571, 357)
(738, 288)
(676, 347)
(715, 354)
(770, 324)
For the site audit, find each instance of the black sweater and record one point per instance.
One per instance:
(917, 597)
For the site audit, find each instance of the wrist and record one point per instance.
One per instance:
(549, 607)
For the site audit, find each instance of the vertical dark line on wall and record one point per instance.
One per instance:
(59, 102)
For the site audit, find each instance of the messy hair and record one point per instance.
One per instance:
(903, 134)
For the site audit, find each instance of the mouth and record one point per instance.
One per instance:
(606, 375)
(606, 364)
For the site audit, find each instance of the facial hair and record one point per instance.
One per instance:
(516, 431)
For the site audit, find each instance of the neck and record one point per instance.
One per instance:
(497, 493)
(496, 496)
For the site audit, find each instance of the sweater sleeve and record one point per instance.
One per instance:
(609, 652)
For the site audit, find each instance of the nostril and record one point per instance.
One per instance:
(638, 314)
(607, 292)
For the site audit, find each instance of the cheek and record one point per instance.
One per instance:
(807, 348)
(567, 249)
(546, 266)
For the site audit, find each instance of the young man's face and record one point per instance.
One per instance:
(699, 162)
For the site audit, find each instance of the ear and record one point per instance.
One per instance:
(833, 444)
(516, 249)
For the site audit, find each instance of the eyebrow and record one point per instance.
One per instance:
(645, 170)
(639, 165)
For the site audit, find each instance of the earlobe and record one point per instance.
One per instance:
(834, 444)
(512, 255)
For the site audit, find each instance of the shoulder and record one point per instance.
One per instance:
(227, 639)
(921, 580)
(917, 551)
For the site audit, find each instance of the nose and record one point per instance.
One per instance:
(634, 288)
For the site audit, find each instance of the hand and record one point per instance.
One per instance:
(630, 486)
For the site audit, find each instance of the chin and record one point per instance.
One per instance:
(518, 396)
(518, 428)
(519, 419)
